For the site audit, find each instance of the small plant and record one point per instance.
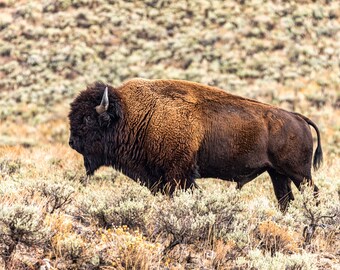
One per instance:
(314, 213)
(126, 249)
(257, 260)
(224, 252)
(68, 243)
(273, 238)
(9, 166)
(196, 215)
(112, 206)
(58, 194)
(20, 224)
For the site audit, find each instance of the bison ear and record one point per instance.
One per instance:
(104, 119)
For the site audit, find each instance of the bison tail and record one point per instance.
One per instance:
(318, 155)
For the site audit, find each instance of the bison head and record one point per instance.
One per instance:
(93, 116)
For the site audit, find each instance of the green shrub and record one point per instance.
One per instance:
(58, 194)
(20, 224)
(314, 213)
(9, 166)
(72, 244)
(195, 215)
(257, 260)
(116, 206)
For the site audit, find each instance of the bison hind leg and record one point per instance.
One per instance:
(307, 180)
(300, 179)
(282, 189)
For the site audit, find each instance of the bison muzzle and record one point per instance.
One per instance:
(167, 133)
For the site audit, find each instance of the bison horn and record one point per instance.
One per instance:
(104, 104)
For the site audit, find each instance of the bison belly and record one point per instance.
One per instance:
(236, 152)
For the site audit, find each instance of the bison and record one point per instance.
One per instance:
(167, 133)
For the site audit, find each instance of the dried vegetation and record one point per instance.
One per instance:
(282, 52)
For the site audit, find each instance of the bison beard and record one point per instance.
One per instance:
(167, 133)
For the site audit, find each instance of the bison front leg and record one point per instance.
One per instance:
(179, 179)
(282, 188)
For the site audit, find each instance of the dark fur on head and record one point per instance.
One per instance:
(89, 130)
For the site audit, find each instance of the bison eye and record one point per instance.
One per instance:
(89, 121)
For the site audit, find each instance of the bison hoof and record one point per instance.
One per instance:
(85, 180)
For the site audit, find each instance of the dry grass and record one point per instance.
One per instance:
(273, 238)
(74, 241)
(48, 52)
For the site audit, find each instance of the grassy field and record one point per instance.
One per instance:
(286, 54)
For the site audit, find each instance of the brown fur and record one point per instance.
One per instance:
(166, 133)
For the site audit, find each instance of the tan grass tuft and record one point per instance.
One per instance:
(273, 238)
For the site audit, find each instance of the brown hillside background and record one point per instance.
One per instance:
(285, 53)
